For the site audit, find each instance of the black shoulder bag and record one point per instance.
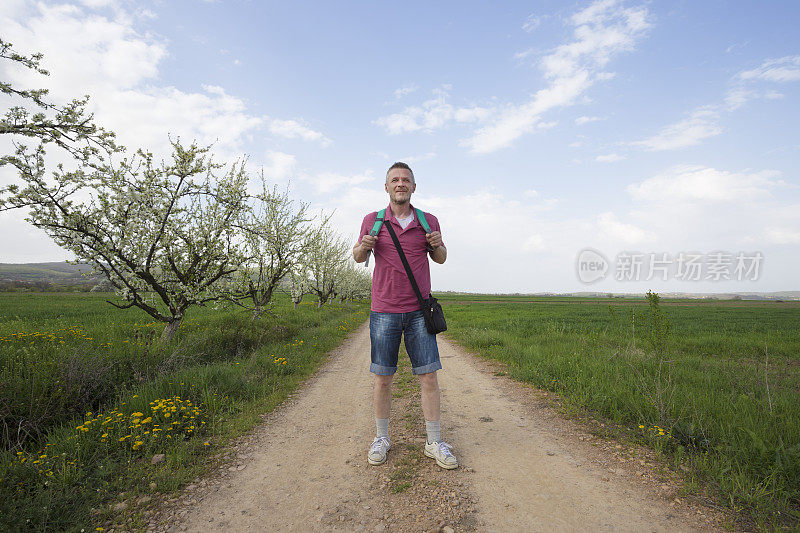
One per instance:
(431, 310)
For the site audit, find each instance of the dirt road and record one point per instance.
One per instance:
(522, 467)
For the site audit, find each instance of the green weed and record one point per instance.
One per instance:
(87, 399)
(692, 377)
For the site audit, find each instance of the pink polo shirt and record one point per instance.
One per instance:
(391, 288)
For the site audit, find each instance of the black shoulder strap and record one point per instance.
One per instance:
(405, 264)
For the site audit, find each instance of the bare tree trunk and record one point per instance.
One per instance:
(170, 329)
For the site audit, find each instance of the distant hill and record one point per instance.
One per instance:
(47, 276)
(61, 275)
(778, 295)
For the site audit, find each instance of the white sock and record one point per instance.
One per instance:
(383, 427)
(432, 428)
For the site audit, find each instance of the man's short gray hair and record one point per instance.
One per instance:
(400, 164)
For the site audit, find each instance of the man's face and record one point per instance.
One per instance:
(400, 184)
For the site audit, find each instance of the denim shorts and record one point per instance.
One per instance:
(384, 333)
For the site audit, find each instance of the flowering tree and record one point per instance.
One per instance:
(324, 261)
(163, 235)
(353, 281)
(34, 117)
(299, 285)
(276, 235)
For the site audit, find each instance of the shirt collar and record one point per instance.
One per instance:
(390, 216)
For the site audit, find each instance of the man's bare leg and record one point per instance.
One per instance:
(429, 390)
(381, 402)
(435, 448)
(429, 385)
(381, 395)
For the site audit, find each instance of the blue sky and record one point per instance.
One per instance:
(535, 129)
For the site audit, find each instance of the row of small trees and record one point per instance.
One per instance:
(167, 235)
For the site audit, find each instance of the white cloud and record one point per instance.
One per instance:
(609, 158)
(690, 131)
(580, 121)
(783, 235)
(705, 209)
(777, 70)
(602, 30)
(84, 51)
(435, 113)
(327, 182)
(686, 183)
(703, 122)
(735, 46)
(611, 228)
(94, 4)
(531, 193)
(280, 166)
(417, 158)
(108, 58)
(294, 129)
(146, 14)
(534, 243)
(514, 121)
(520, 56)
(531, 23)
(737, 97)
(405, 90)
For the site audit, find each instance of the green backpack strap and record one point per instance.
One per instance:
(422, 221)
(376, 227)
(381, 215)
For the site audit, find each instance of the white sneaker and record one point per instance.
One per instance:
(377, 451)
(441, 452)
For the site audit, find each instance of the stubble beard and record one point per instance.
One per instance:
(396, 201)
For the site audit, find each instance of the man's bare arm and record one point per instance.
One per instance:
(439, 252)
(439, 255)
(361, 249)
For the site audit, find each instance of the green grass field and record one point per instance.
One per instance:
(88, 397)
(713, 384)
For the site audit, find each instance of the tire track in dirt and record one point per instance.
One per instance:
(522, 467)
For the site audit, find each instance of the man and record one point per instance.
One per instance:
(395, 310)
